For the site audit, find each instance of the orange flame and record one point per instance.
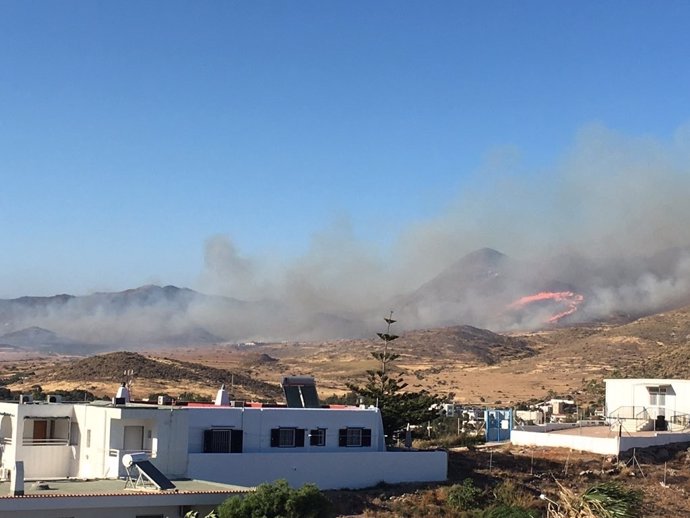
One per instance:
(570, 299)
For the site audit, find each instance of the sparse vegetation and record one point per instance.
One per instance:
(604, 500)
(278, 500)
(464, 496)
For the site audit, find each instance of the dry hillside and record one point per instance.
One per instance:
(469, 364)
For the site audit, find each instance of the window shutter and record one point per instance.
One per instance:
(366, 437)
(342, 437)
(275, 437)
(318, 435)
(299, 438)
(236, 437)
(208, 441)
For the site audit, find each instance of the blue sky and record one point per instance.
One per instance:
(133, 132)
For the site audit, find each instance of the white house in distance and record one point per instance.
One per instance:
(648, 404)
(224, 443)
(639, 413)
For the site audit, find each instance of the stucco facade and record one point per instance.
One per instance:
(243, 445)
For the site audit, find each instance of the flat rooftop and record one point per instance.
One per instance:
(110, 487)
(605, 431)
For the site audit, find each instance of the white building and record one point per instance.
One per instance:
(639, 413)
(648, 404)
(242, 445)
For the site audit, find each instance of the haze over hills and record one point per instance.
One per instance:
(38, 339)
(469, 362)
(485, 289)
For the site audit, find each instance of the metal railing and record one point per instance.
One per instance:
(113, 452)
(30, 441)
(642, 417)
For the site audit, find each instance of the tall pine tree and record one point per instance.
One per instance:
(386, 390)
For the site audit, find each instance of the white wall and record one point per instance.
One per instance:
(258, 422)
(601, 445)
(94, 460)
(46, 461)
(326, 470)
(658, 439)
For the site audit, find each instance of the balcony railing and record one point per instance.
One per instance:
(30, 441)
(642, 417)
(112, 452)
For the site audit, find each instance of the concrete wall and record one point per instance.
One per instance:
(165, 436)
(326, 470)
(94, 459)
(601, 445)
(659, 439)
(258, 422)
(46, 461)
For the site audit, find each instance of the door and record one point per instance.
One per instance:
(134, 438)
(40, 430)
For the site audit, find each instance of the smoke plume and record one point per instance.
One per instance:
(607, 221)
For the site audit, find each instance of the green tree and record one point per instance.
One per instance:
(385, 390)
(278, 500)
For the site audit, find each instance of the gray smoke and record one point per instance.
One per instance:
(608, 219)
(602, 219)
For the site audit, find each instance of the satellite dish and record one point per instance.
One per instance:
(130, 459)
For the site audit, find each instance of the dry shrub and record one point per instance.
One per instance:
(511, 494)
(604, 500)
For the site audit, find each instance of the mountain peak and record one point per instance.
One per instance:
(484, 255)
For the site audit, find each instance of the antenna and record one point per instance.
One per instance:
(129, 378)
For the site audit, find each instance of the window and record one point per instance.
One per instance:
(88, 438)
(74, 434)
(287, 438)
(219, 440)
(317, 437)
(657, 396)
(354, 437)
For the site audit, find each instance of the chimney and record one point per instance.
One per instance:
(222, 398)
(123, 393)
(17, 479)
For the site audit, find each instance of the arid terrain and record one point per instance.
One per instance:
(463, 363)
(661, 474)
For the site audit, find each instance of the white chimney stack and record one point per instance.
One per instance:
(222, 398)
(123, 393)
(17, 479)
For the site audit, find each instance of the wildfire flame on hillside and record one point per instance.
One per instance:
(570, 300)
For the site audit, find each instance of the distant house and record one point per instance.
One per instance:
(226, 443)
(648, 404)
(639, 413)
